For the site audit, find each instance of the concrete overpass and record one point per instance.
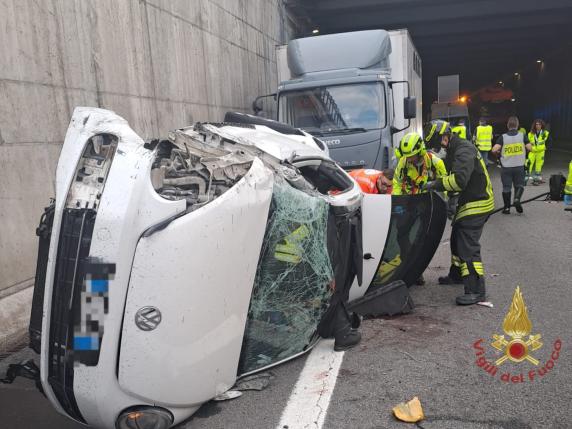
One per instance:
(484, 41)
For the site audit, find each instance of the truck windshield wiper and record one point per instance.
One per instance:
(314, 132)
(344, 131)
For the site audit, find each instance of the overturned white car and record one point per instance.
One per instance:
(168, 269)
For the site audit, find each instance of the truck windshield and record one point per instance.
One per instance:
(331, 109)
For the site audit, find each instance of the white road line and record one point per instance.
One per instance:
(309, 400)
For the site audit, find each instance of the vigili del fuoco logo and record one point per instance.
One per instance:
(518, 346)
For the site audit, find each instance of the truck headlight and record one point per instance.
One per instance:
(144, 417)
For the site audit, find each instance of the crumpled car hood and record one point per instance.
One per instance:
(281, 146)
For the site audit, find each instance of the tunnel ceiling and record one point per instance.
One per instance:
(481, 40)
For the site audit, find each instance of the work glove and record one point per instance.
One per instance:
(452, 206)
(430, 186)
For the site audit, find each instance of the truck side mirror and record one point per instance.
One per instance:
(257, 106)
(409, 107)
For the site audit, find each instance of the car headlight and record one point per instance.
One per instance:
(144, 417)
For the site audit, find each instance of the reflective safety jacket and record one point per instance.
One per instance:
(409, 178)
(367, 179)
(469, 177)
(513, 151)
(568, 187)
(538, 140)
(460, 130)
(484, 137)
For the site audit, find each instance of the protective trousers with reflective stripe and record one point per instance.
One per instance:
(535, 162)
(466, 248)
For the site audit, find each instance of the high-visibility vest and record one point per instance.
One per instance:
(409, 180)
(513, 153)
(367, 180)
(460, 130)
(484, 137)
(568, 187)
(538, 141)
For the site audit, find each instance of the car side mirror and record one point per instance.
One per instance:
(409, 107)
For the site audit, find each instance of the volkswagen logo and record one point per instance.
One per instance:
(147, 318)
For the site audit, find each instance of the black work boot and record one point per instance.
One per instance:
(345, 337)
(474, 290)
(517, 196)
(506, 200)
(448, 280)
(453, 278)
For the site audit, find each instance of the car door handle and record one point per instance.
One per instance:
(367, 256)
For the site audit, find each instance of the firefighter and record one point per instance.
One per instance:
(538, 137)
(460, 129)
(512, 147)
(415, 168)
(467, 175)
(483, 138)
(373, 181)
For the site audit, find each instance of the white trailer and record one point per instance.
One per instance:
(405, 64)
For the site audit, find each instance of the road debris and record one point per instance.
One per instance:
(254, 382)
(486, 304)
(409, 412)
(228, 395)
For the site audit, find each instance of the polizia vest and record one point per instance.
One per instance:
(513, 153)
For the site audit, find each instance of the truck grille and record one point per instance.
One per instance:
(73, 251)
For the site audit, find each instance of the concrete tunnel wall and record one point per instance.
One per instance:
(161, 64)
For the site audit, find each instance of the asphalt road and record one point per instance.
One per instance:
(428, 353)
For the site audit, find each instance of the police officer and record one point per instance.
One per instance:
(512, 147)
(483, 139)
(468, 176)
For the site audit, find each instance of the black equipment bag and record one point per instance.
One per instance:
(557, 183)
